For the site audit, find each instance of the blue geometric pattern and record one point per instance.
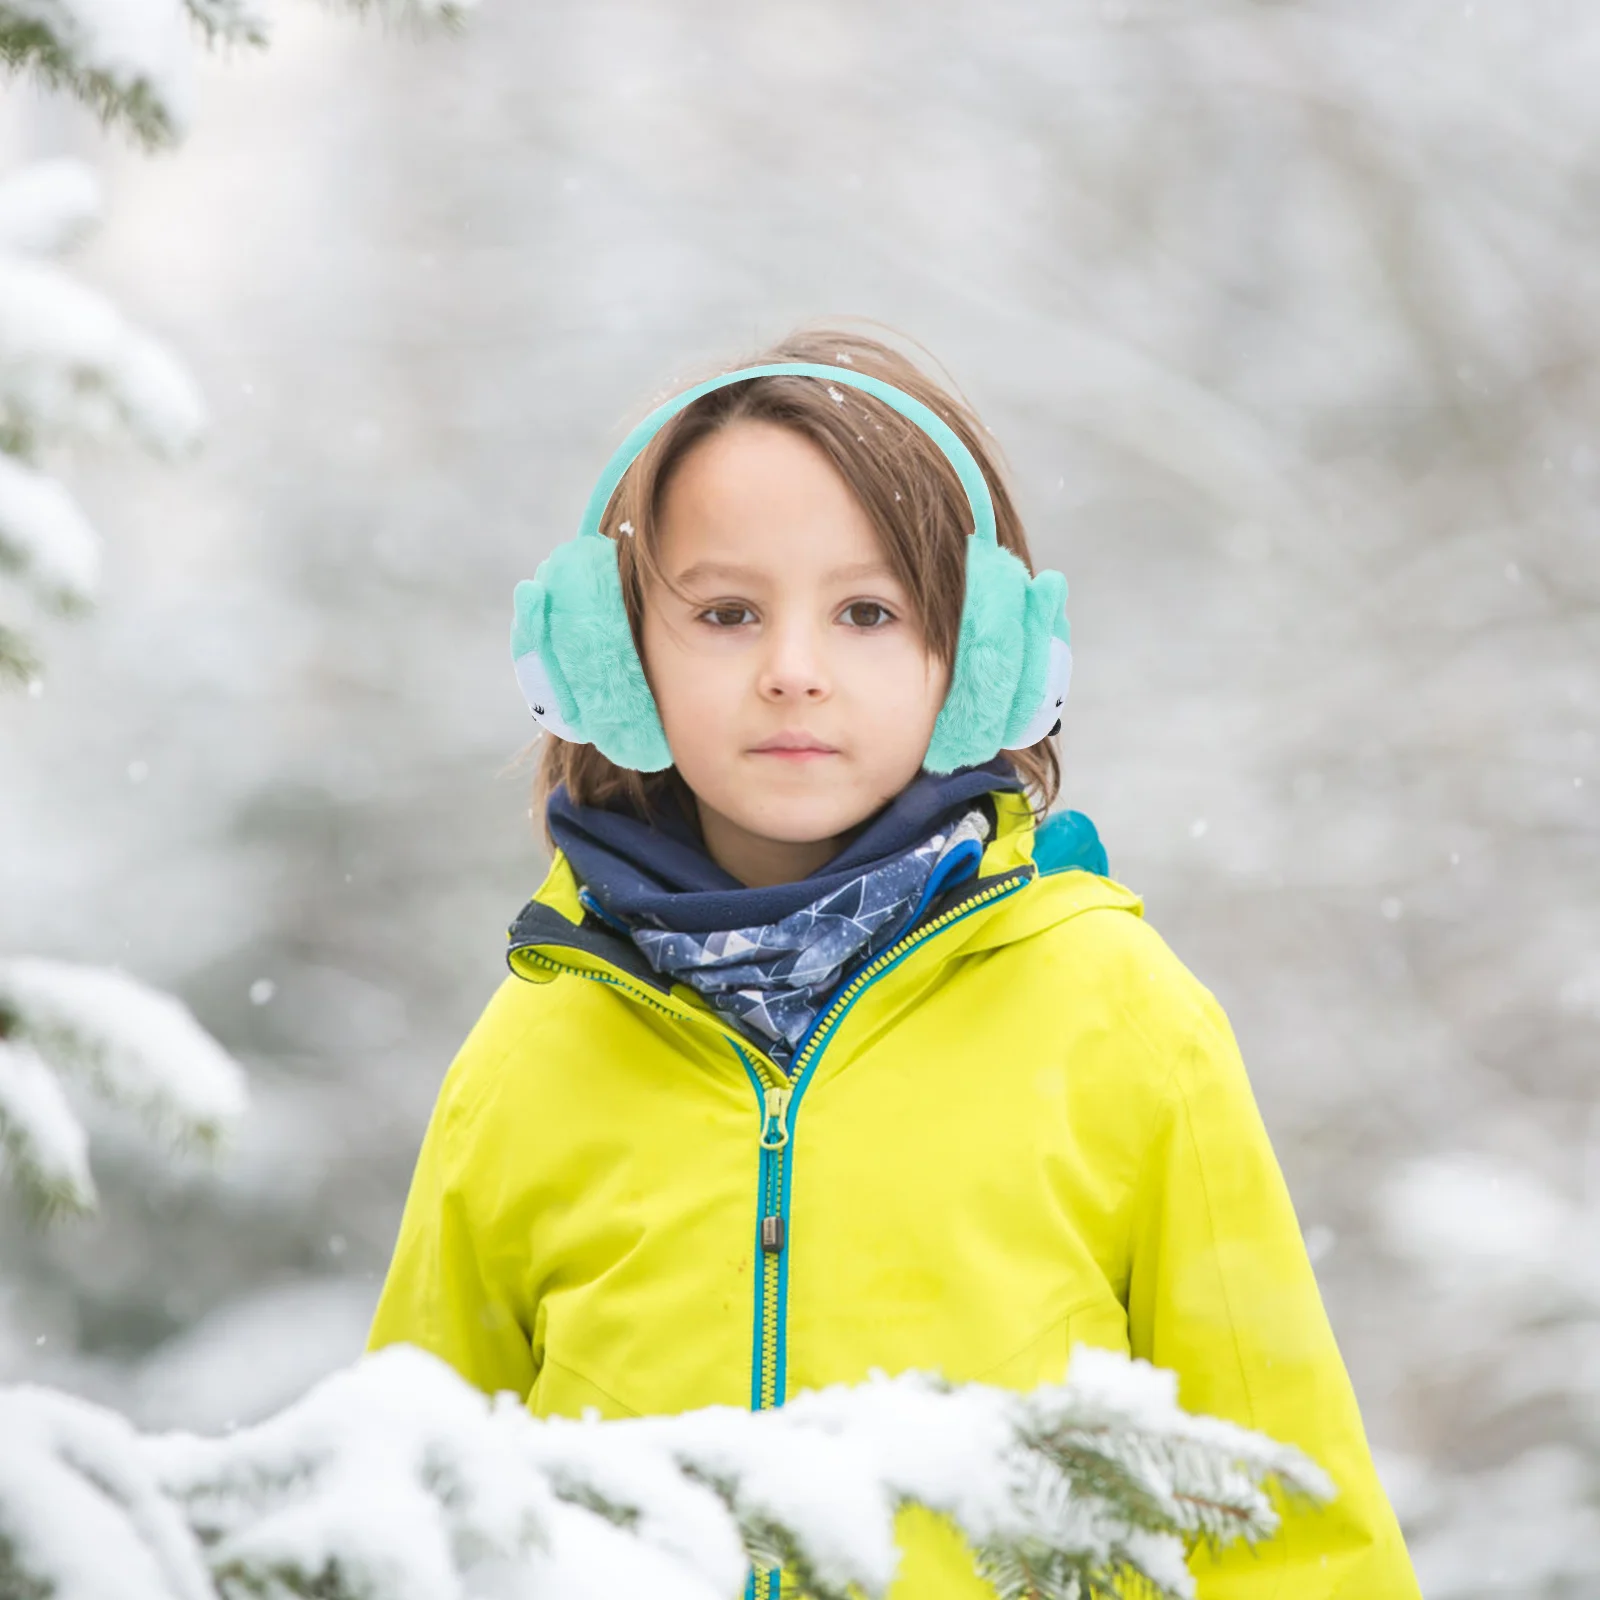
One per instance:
(770, 981)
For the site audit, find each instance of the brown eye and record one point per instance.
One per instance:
(867, 614)
(729, 616)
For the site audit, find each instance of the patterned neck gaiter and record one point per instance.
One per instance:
(770, 980)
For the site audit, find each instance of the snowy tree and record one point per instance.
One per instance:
(394, 1480)
(77, 1042)
(72, 367)
(139, 1051)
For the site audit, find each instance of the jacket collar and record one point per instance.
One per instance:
(555, 923)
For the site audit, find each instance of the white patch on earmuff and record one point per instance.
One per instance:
(1057, 680)
(537, 690)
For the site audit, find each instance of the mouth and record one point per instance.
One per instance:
(793, 747)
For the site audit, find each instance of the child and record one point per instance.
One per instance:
(814, 1061)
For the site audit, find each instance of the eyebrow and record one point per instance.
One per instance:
(725, 569)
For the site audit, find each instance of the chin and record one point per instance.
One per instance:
(797, 821)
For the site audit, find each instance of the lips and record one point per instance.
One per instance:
(794, 745)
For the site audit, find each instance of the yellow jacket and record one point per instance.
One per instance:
(1025, 1126)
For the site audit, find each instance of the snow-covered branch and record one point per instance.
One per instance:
(129, 60)
(133, 61)
(133, 1048)
(394, 1480)
(70, 365)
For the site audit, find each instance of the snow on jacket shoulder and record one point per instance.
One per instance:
(1025, 1126)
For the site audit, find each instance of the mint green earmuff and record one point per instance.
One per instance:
(582, 678)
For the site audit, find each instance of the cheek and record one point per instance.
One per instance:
(920, 682)
(901, 696)
(685, 685)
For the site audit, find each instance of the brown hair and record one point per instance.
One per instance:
(899, 475)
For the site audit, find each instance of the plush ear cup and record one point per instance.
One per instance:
(574, 657)
(984, 676)
(1009, 679)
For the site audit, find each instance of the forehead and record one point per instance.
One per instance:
(764, 498)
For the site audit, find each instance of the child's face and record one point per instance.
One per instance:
(794, 630)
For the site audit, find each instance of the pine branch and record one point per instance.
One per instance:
(16, 1582)
(414, 14)
(140, 1050)
(394, 1480)
(38, 38)
(137, 1050)
(18, 661)
(46, 543)
(231, 21)
(42, 1147)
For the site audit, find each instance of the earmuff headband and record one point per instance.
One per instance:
(582, 678)
(948, 440)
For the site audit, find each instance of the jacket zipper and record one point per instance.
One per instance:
(779, 1098)
(780, 1102)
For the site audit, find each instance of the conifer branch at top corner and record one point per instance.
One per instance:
(136, 73)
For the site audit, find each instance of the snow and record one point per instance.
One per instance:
(80, 1503)
(621, 1466)
(411, 1484)
(48, 207)
(45, 538)
(70, 362)
(141, 1050)
(39, 1133)
(395, 1469)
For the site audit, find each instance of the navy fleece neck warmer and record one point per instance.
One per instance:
(767, 958)
(657, 870)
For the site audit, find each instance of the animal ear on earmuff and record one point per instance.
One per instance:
(1047, 672)
(573, 652)
(530, 641)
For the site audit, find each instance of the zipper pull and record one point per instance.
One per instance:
(774, 1135)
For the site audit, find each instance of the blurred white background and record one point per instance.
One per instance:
(1287, 317)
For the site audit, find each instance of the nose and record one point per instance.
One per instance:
(794, 668)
